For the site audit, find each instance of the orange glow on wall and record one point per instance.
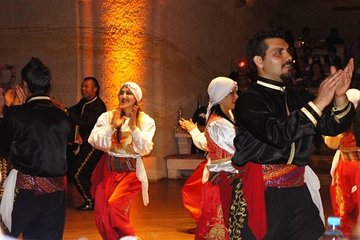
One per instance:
(123, 24)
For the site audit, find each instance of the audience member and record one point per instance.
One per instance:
(7, 85)
(242, 78)
(332, 59)
(302, 72)
(334, 39)
(306, 39)
(33, 202)
(316, 76)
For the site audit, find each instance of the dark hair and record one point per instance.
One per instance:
(257, 46)
(217, 110)
(37, 76)
(96, 84)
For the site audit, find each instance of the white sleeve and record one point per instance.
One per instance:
(100, 136)
(143, 135)
(222, 132)
(199, 139)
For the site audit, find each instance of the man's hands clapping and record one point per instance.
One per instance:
(336, 86)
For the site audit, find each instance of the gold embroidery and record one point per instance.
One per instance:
(217, 231)
(237, 213)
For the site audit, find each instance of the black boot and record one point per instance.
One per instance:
(87, 206)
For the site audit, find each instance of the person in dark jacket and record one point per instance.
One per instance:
(82, 156)
(283, 123)
(34, 137)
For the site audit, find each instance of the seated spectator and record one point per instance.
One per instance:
(302, 72)
(316, 75)
(306, 38)
(7, 85)
(333, 38)
(332, 59)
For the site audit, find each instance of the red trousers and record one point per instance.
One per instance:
(114, 195)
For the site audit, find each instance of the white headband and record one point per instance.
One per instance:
(135, 89)
(218, 89)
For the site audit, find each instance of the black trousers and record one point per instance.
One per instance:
(85, 162)
(39, 217)
(292, 215)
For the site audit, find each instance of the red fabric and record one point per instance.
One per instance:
(344, 201)
(114, 195)
(191, 190)
(348, 142)
(97, 174)
(211, 224)
(254, 194)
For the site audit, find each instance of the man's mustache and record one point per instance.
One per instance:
(287, 63)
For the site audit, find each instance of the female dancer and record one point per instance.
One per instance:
(220, 132)
(124, 134)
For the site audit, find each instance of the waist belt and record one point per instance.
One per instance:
(41, 185)
(121, 164)
(283, 175)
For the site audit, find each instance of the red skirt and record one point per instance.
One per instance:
(191, 192)
(216, 201)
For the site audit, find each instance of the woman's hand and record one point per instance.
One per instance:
(133, 116)
(117, 119)
(188, 125)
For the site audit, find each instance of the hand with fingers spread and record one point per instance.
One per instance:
(344, 83)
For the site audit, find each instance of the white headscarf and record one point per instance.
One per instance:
(135, 89)
(218, 89)
(353, 95)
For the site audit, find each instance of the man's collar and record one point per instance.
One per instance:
(90, 100)
(37, 97)
(268, 83)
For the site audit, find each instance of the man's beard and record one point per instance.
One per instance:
(288, 76)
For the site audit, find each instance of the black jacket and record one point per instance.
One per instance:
(274, 125)
(34, 137)
(85, 114)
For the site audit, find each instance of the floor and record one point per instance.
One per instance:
(163, 218)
